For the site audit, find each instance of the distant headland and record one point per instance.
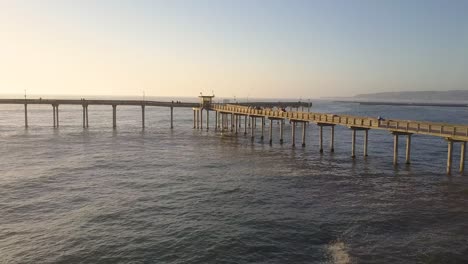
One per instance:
(452, 98)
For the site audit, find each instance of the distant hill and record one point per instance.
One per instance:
(454, 95)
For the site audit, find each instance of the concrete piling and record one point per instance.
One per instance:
(53, 111)
(263, 127)
(332, 139)
(449, 156)
(321, 138)
(366, 141)
(195, 119)
(57, 115)
(293, 133)
(87, 116)
(353, 144)
(281, 131)
(304, 134)
(207, 119)
(252, 127)
(26, 115)
(395, 149)
(462, 156)
(271, 131)
(172, 117)
(114, 116)
(408, 149)
(245, 125)
(143, 116)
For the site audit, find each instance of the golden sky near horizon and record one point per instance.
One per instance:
(62, 47)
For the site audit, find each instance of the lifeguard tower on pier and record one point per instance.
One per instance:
(206, 101)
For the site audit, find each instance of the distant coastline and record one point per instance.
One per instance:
(406, 103)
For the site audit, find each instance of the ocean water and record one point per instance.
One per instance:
(98, 195)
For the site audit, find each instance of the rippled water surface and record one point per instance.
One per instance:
(98, 195)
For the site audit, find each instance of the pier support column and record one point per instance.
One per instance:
(194, 119)
(449, 156)
(198, 118)
(293, 132)
(87, 117)
(26, 115)
(462, 156)
(332, 138)
(143, 116)
(263, 128)
(232, 122)
(172, 117)
(366, 141)
(236, 117)
(207, 119)
(303, 133)
(216, 121)
(245, 125)
(84, 116)
(114, 116)
(281, 131)
(271, 131)
(252, 128)
(57, 115)
(321, 138)
(201, 118)
(408, 149)
(395, 149)
(53, 111)
(353, 144)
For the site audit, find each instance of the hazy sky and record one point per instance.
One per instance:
(251, 48)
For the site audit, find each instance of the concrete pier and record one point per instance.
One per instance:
(207, 119)
(114, 116)
(216, 121)
(26, 115)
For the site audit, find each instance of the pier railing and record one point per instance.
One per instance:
(454, 131)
